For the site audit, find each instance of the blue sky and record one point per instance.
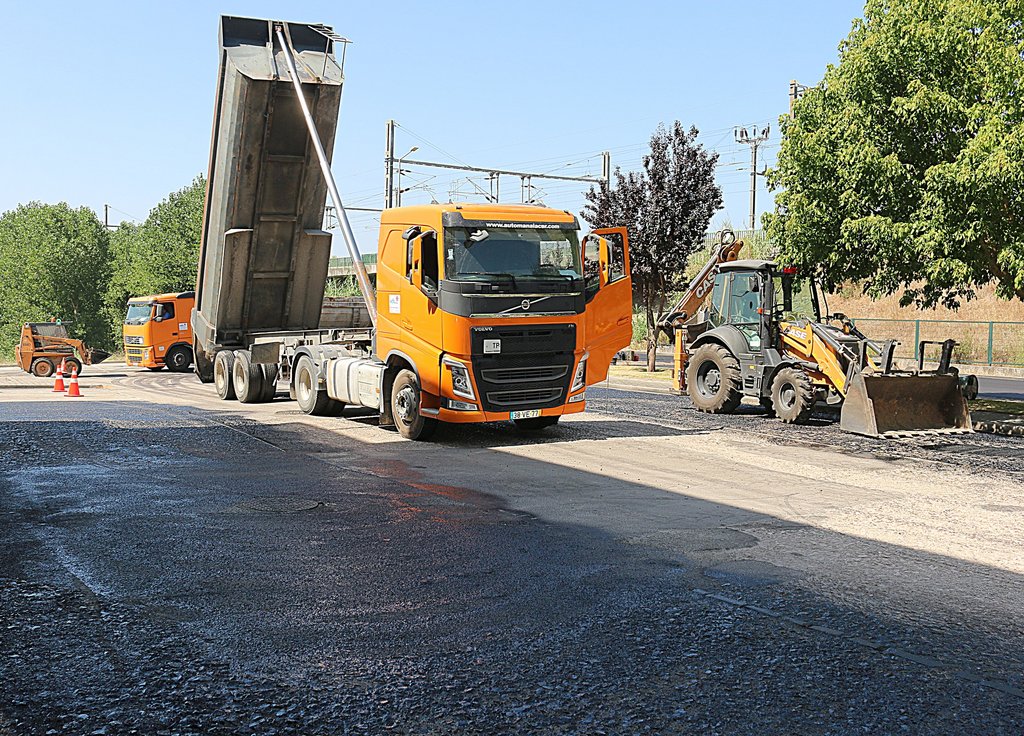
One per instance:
(112, 103)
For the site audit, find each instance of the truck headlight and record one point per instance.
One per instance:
(580, 379)
(461, 385)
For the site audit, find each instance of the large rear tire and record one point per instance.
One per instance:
(270, 373)
(793, 396)
(713, 380)
(311, 397)
(223, 364)
(72, 364)
(405, 408)
(247, 378)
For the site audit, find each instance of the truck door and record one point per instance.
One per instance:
(609, 296)
(420, 317)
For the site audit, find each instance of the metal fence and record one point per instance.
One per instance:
(978, 343)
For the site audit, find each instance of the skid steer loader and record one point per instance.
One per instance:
(764, 337)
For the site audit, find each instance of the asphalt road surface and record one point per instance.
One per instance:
(170, 563)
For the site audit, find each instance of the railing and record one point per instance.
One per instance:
(978, 343)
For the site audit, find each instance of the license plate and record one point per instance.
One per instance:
(528, 414)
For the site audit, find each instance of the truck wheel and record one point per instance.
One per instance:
(535, 424)
(312, 399)
(204, 366)
(42, 367)
(713, 380)
(767, 405)
(270, 373)
(405, 408)
(793, 396)
(247, 378)
(222, 365)
(179, 358)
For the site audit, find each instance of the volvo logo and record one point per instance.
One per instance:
(526, 304)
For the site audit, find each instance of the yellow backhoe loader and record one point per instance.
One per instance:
(762, 335)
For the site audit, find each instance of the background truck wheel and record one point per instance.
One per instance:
(405, 408)
(535, 424)
(312, 399)
(179, 358)
(204, 366)
(713, 380)
(222, 365)
(247, 378)
(270, 373)
(793, 396)
(42, 367)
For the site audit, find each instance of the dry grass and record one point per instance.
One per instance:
(986, 307)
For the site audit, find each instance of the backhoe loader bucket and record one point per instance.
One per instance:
(893, 405)
(97, 356)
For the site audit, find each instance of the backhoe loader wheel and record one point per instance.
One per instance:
(405, 408)
(247, 378)
(713, 380)
(312, 397)
(767, 405)
(222, 365)
(42, 367)
(793, 396)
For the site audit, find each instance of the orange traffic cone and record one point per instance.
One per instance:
(58, 382)
(73, 386)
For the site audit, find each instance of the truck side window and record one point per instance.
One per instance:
(617, 256)
(165, 310)
(428, 252)
(591, 266)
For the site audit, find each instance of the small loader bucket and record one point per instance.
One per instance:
(903, 404)
(97, 356)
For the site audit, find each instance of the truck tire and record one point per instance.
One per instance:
(270, 373)
(247, 378)
(312, 399)
(42, 367)
(204, 366)
(713, 380)
(222, 366)
(405, 408)
(535, 424)
(793, 396)
(178, 358)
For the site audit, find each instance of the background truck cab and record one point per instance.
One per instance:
(158, 331)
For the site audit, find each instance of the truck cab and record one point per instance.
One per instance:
(158, 331)
(501, 311)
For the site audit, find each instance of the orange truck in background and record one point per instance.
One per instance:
(158, 331)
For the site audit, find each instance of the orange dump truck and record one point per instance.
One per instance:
(158, 331)
(482, 312)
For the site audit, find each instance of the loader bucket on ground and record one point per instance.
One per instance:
(97, 356)
(897, 404)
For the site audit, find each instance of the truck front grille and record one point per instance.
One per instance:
(133, 339)
(134, 354)
(532, 369)
(524, 375)
(512, 399)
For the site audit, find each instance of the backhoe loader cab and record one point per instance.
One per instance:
(764, 336)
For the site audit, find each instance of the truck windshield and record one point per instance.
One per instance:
(519, 259)
(138, 314)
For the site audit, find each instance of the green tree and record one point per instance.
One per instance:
(161, 254)
(666, 208)
(53, 263)
(904, 168)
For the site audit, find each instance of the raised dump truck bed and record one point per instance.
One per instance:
(264, 255)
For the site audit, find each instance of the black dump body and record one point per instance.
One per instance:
(264, 256)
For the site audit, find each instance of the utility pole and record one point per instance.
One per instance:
(796, 91)
(389, 166)
(106, 216)
(753, 138)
